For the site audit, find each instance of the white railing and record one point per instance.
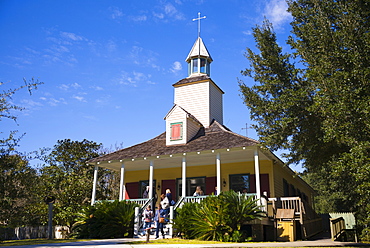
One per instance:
(141, 202)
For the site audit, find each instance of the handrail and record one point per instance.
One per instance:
(337, 227)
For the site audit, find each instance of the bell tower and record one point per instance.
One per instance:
(198, 100)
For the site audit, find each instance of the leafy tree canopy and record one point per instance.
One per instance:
(314, 100)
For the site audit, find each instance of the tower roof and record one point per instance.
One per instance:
(199, 49)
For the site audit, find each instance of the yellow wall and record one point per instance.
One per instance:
(276, 175)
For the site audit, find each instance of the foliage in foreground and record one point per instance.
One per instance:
(106, 220)
(217, 218)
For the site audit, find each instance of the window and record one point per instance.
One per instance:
(239, 183)
(195, 65)
(176, 131)
(203, 65)
(191, 185)
(142, 187)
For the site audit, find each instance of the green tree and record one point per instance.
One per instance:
(18, 181)
(68, 178)
(314, 101)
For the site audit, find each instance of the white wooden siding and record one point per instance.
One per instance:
(177, 115)
(216, 110)
(194, 98)
(192, 129)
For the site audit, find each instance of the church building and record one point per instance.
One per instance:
(197, 149)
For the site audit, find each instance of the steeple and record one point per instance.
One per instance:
(199, 59)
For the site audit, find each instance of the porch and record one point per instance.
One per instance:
(308, 223)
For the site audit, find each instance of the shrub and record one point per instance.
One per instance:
(106, 220)
(217, 218)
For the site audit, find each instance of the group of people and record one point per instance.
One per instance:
(160, 215)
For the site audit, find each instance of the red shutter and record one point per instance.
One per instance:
(133, 190)
(210, 185)
(176, 131)
(265, 183)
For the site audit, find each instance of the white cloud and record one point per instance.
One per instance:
(79, 98)
(276, 12)
(143, 57)
(52, 101)
(135, 78)
(139, 18)
(111, 46)
(71, 36)
(176, 67)
(116, 13)
(158, 15)
(69, 86)
(97, 88)
(172, 12)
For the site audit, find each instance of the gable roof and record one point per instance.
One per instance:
(216, 136)
(188, 115)
(196, 79)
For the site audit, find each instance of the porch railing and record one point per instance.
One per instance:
(337, 227)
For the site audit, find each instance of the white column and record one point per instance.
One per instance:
(94, 185)
(183, 193)
(122, 183)
(218, 173)
(151, 170)
(257, 174)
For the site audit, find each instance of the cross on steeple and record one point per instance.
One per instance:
(198, 19)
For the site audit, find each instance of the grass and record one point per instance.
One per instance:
(38, 241)
(175, 241)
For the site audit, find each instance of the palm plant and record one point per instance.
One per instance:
(218, 218)
(106, 220)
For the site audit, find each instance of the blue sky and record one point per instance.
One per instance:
(108, 66)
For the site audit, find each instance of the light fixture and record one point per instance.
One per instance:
(224, 182)
(158, 186)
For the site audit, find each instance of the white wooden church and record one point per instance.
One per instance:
(197, 149)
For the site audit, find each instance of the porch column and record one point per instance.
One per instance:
(151, 170)
(257, 174)
(122, 183)
(218, 173)
(183, 193)
(94, 185)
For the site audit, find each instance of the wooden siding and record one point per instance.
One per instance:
(177, 115)
(281, 174)
(194, 98)
(191, 130)
(216, 109)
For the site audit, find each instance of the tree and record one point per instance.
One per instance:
(7, 108)
(69, 178)
(314, 101)
(18, 180)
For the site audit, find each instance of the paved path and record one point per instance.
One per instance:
(122, 243)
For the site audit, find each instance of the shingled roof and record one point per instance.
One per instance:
(216, 136)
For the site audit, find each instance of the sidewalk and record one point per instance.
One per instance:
(122, 243)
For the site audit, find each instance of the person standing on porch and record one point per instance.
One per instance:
(169, 197)
(160, 216)
(198, 191)
(165, 204)
(146, 192)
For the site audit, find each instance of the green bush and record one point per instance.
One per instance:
(106, 220)
(217, 218)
